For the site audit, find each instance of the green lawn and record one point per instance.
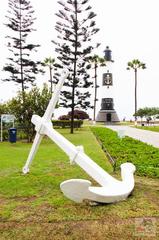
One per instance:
(150, 128)
(33, 207)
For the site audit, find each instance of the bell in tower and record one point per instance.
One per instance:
(107, 112)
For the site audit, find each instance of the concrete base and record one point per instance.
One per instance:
(107, 116)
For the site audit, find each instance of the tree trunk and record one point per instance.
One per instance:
(74, 72)
(21, 63)
(50, 68)
(135, 95)
(95, 92)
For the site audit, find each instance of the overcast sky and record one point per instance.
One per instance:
(129, 27)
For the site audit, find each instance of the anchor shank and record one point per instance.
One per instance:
(47, 116)
(55, 97)
(86, 163)
(33, 151)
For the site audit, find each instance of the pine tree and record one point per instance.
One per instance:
(75, 29)
(21, 67)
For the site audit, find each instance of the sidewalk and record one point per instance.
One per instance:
(148, 137)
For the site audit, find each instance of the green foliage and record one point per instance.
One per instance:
(36, 102)
(136, 64)
(50, 63)
(67, 123)
(96, 62)
(3, 108)
(75, 28)
(149, 128)
(5, 135)
(64, 117)
(145, 157)
(148, 112)
(21, 66)
(79, 114)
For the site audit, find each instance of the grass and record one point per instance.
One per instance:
(33, 207)
(150, 128)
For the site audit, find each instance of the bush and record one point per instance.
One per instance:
(67, 123)
(79, 114)
(5, 135)
(145, 157)
(64, 117)
(36, 102)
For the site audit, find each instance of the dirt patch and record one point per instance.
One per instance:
(24, 199)
(150, 189)
(111, 228)
(67, 230)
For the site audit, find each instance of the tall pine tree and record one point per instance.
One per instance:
(21, 67)
(75, 29)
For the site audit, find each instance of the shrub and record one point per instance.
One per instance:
(145, 157)
(5, 135)
(79, 114)
(64, 117)
(36, 102)
(66, 123)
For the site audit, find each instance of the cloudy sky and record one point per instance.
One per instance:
(129, 27)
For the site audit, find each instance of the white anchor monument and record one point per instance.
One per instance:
(110, 189)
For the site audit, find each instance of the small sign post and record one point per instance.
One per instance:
(7, 118)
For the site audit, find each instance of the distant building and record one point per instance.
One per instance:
(107, 112)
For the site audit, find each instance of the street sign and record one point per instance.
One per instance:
(7, 118)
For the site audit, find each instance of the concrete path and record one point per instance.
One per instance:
(148, 137)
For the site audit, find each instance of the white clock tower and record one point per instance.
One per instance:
(107, 112)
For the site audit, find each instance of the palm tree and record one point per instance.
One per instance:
(96, 61)
(50, 63)
(135, 65)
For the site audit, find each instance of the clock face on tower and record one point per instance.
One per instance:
(107, 79)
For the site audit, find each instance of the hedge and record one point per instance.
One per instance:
(144, 156)
(67, 123)
(56, 123)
